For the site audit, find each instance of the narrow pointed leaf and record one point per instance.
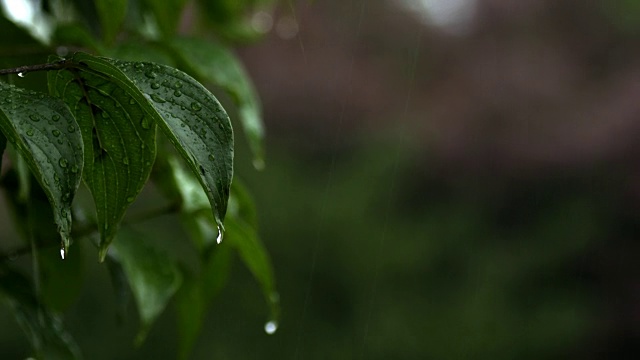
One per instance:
(187, 113)
(215, 63)
(112, 14)
(152, 276)
(119, 142)
(46, 135)
(45, 331)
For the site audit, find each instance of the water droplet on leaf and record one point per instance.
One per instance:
(146, 123)
(34, 118)
(30, 132)
(155, 85)
(71, 128)
(195, 106)
(55, 118)
(177, 93)
(130, 199)
(63, 162)
(158, 99)
(55, 132)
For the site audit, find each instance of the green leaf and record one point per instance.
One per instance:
(167, 13)
(245, 240)
(195, 295)
(119, 142)
(112, 14)
(44, 330)
(152, 276)
(215, 63)
(188, 114)
(46, 135)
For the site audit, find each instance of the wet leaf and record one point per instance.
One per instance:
(152, 276)
(45, 331)
(215, 63)
(44, 132)
(111, 14)
(187, 113)
(119, 142)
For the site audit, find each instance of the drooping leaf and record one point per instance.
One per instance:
(152, 276)
(195, 295)
(45, 331)
(244, 239)
(187, 113)
(167, 13)
(112, 14)
(119, 142)
(45, 134)
(215, 63)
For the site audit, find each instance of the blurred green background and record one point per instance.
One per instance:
(444, 180)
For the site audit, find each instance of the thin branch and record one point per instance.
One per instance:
(39, 67)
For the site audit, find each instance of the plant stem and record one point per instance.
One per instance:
(39, 67)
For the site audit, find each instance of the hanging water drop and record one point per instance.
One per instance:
(271, 327)
(21, 74)
(219, 238)
(62, 252)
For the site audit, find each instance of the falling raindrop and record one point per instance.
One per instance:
(62, 252)
(271, 327)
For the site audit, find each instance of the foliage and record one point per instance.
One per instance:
(95, 96)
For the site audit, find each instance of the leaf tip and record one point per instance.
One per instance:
(102, 252)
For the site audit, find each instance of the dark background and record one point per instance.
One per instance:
(436, 188)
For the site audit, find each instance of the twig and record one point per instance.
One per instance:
(39, 67)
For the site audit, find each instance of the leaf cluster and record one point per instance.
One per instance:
(99, 99)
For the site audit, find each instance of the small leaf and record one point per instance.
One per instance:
(192, 118)
(151, 274)
(112, 14)
(168, 14)
(44, 133)
(44, 330)
(119, 142)
(215, 63)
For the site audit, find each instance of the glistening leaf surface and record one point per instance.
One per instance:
(119, 141)
(187, 113)
(46, 135)
(215, 63)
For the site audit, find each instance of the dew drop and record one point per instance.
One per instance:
(71, 128)
(271, 327)
(178, 84)
(34, 118)
(30, 132)
(55, 132)
(146, 123)
(177, 93)
(63, 162)
(21, 74)
(150, 74)
(195, 106)
(55, 118)
(74, 168)
(155, 85)
(158, 99)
